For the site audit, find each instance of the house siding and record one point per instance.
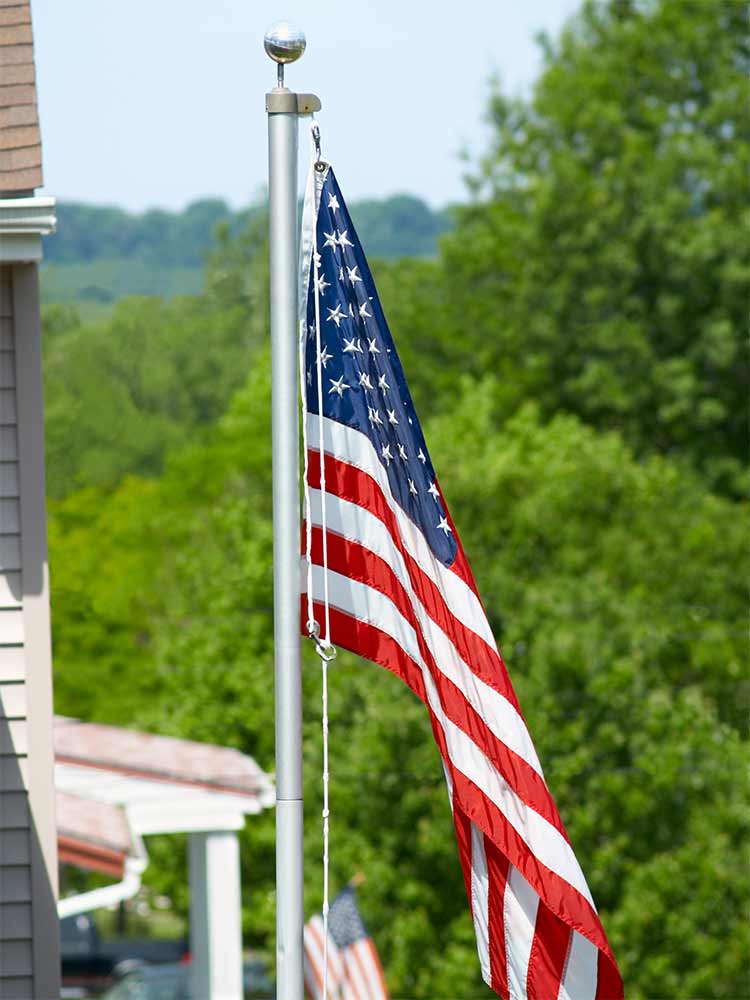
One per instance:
(29, 944)
(15, 864)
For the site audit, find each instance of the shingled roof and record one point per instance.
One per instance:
(20, 140)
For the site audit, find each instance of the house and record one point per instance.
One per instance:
(117, 786)
(29, 932)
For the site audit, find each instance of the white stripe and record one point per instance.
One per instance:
(519, 919)
(369, 605)
(480, 901)
(311, 985)
(314, 950)
(542, 839)
(581, 970)
(372, 969)
(355, 975)
(501, 718)
(449, 783)
(314, 959)
(356, 449)
(369, 975)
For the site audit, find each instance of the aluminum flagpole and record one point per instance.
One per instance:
(284, 44)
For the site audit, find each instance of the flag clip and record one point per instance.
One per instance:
(319, 162)
(325, 649)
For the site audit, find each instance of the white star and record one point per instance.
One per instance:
(372, 346)
(374, 416)
(350, 346)
(421, 456)
(351, 311)
(364, 379)
(352, 273)
(402, 452)
(382, 384)
(311, 331)
(321, 284)
(331, 240)
(392, 418)
(337, 386)
(317, 258)
(363, 311)
(433, 489)
(342, 240)
(324, 357)
(341, 274)
(385, 451)
(335, 314)
(333, 202)
(309, 376)
(412, 488)
(444, 526)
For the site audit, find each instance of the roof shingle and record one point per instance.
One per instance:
(20, 140)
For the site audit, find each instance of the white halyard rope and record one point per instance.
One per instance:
(325, 650)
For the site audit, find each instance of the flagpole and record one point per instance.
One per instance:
(284, 44)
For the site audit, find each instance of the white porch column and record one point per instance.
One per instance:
(215, 918)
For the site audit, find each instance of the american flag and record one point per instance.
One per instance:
(354, 970)
(401, 593)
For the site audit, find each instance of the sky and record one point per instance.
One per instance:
(156, 103)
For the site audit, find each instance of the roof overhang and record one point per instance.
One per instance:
(23, 222)
(116, 785)
(161, 806)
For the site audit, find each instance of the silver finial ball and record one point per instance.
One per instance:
(284, 42)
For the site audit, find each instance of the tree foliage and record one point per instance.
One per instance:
(99, 255)
(601, 268)
(611, 585)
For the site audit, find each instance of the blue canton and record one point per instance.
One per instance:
(363, 381)
(345, 924)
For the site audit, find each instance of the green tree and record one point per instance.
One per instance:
(121, 393)
(603, 268)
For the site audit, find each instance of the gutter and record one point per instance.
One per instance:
(23, 221)
(109, 895)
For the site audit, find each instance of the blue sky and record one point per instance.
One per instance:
(159, 102)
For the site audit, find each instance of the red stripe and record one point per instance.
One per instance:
(609, 983)
(312, 989)
(497, 870)
(359, 563)
(463, 837)
(350, 483)
(548, 952)
(375, 960)
(562, 898)
(314, 985)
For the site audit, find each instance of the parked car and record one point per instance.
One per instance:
(89, 961)
(141, 981)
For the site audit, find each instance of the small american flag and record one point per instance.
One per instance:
(401, 593)
(354, 970)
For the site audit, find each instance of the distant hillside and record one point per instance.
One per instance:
(101, 254)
